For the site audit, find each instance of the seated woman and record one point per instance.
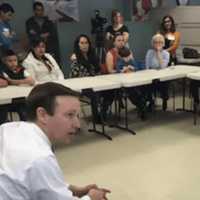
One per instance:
(134, 94)
(85, 63)
(84, 59)
(171, 36)
(41, 65)
(157, 58)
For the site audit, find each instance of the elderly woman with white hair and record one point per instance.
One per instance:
(158, 58)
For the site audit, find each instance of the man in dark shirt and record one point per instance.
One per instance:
(7, 35)
(40, 26)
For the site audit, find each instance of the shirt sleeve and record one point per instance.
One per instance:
(176, 43)
(165, 60)
(26, 73)
(5, 75)
(47, 183)
(148, 59)
(124, 29)
(119, 65)
(29, 67)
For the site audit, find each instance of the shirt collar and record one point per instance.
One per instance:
(41, 134)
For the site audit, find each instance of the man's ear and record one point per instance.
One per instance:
(42, 115)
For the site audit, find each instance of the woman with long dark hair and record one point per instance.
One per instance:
(41, 65)
(172, 37)
(84, 59)
(85, 63)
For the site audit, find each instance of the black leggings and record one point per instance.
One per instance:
(135, 95)
(161, 87)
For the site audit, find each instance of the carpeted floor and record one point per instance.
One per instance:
(161, 162)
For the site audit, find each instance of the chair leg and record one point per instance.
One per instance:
(11, 116)
(195, 105)
(174, 97)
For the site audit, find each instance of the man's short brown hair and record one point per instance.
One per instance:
(44, 95)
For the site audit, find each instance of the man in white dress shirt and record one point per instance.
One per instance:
(28, 167)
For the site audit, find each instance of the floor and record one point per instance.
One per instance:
(160, 162)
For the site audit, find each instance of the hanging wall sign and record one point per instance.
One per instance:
(182, 2)
(61, 10)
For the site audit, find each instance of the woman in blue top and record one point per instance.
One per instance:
(157, 58)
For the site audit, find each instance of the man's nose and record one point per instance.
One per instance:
(77, 123)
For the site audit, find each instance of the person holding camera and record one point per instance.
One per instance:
(117, 27)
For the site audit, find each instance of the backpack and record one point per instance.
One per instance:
(190, 53)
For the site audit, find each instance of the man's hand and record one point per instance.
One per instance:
(81, 191)
(98, 194)
(91, 190)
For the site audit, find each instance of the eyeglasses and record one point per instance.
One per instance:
(167, 21)
(158, 42)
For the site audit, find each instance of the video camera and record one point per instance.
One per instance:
(98, 23)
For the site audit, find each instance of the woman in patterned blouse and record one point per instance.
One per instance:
(85, 63)
(84, 60)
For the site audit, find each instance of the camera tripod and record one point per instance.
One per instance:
(99, 48)
(101, 53)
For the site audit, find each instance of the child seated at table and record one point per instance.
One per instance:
(14, 73)
(125, 62)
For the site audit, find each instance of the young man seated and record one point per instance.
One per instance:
(14, 73)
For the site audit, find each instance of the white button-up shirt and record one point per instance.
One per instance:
(28, 167)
